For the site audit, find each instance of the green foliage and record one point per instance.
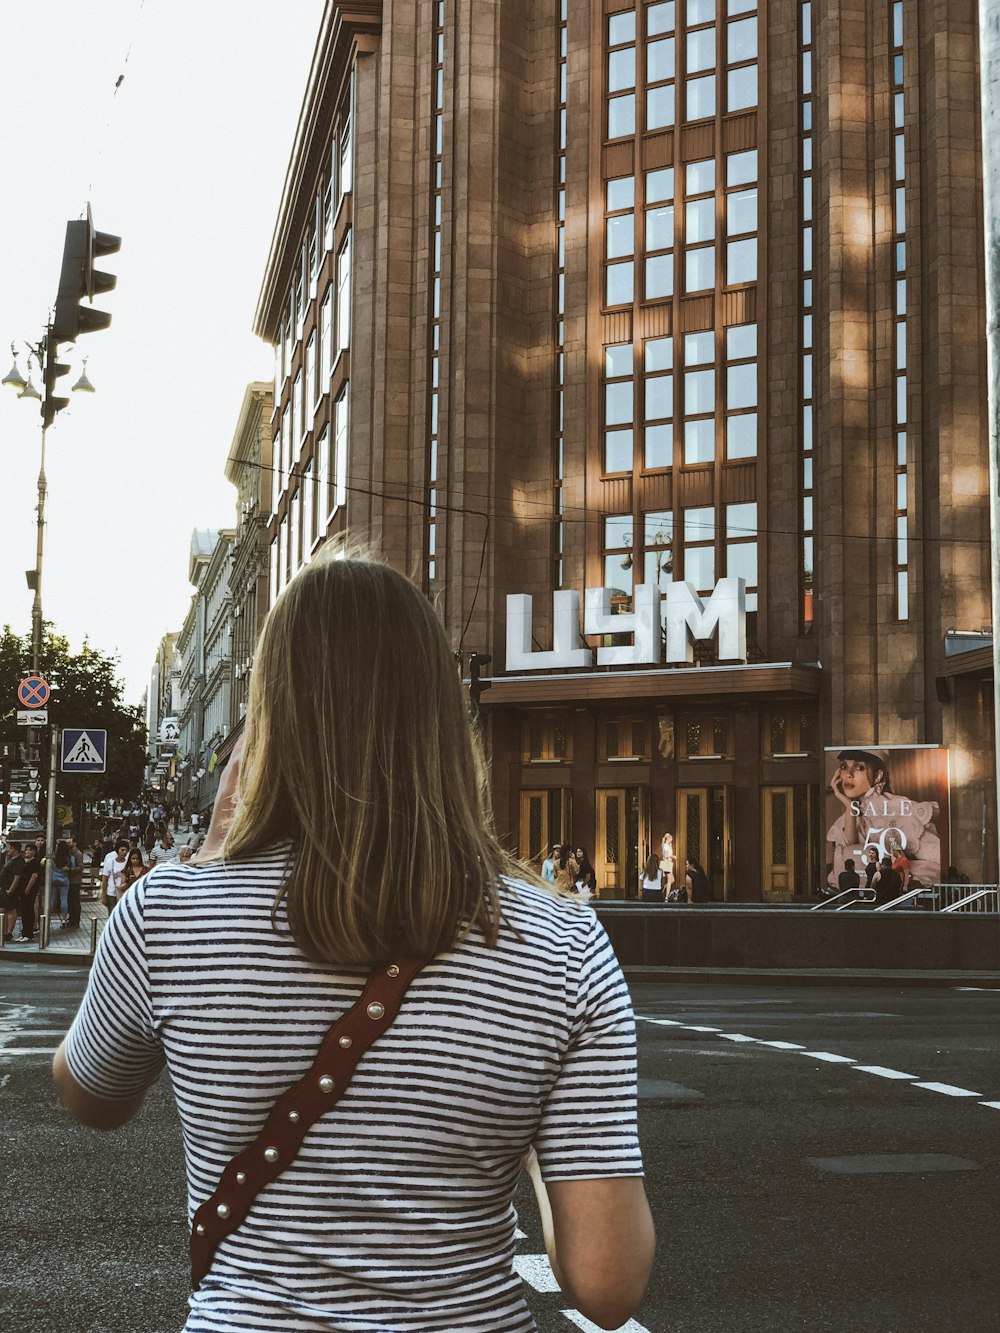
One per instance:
(86, 692)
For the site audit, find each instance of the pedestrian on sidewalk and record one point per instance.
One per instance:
(516, 1031)
(75, 883)
(112, 873)
(59, 897)
(9, 875)
(135, 868)
(25, 890)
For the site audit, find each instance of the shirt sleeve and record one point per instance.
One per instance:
(111, 1049)
(589, 1128)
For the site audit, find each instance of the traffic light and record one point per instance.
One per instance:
(51, 372)
(476, 684)
(80, 279)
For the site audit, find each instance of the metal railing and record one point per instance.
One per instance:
(910, 896)
(847, 898)
(968, 898)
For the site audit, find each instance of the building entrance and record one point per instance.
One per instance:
(788, 842)
(622, 832)
(704, 834)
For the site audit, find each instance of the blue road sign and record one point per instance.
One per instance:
(84, 750)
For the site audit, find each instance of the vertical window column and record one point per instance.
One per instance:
(900, 504)
(434, 314)
(807, 553)
(559, 331)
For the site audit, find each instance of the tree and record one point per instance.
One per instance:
(86, 692)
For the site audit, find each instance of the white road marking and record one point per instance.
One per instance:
(992, 990)
(829, 1057)
(575, 1317)
(7, 1051)
(536, 1270)
(882, 1072)
(948, 1089)
(519, 1234)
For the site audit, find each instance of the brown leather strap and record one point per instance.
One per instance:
(297, 1110)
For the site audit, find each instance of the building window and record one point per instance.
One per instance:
(308, 511)
(741, 391)
(344, 295)
(707, 736)
(273, 586)
(546, 739)
(658, 396)
(326, 504)
(619, 408)
(276, 470)
(789, 734)
(341, 425)
(624, 739)
(618, 573)
(699, 548)
(659, 235)
(621, 75)
(699, 225)
(658, 547)
(295, 531)
(309, 388)
(661, 66)
(699, 398)
(741, 548)
(434, 312)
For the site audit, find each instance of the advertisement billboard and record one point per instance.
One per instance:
(885, 801)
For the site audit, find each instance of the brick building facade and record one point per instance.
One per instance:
(571, 295)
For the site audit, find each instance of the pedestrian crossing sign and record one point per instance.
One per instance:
(84, 750)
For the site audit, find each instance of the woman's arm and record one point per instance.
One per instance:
(600, 1242)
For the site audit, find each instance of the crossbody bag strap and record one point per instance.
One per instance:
(297, 1110)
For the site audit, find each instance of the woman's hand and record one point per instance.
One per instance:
(837, 787)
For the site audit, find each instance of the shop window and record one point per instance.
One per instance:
(546, 739)
(708, 736)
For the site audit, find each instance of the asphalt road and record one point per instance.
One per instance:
(812, 1183)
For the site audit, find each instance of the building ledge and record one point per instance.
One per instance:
(759, 679)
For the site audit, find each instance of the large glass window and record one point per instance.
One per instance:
(619, 408)
(621, 74)
(741, 391)
(618, 558)
(658, 547)
(659, 403)
(699, 548)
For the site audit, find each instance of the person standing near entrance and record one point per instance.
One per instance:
(651, 885)
(699, 890)
(667, 862)
(549, 864)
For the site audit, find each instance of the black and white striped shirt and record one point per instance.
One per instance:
(396, 1214)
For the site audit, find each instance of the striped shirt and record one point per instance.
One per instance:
(396, 1215)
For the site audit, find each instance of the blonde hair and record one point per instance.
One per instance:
(359, 749)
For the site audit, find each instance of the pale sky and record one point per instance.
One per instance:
(185, 163)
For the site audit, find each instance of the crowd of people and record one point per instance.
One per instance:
(128, 846)
(570, 870)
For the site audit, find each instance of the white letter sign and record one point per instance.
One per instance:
(725, 611)
(565, 632)
(643, 624)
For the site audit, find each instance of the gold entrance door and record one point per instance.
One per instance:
(610, 852)
(788, 842)
(544, 821)
(622, 838)
(777, 843)
(704, 833)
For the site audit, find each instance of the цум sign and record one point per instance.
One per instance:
(679, 610)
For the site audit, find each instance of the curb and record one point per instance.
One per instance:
(62, 957)
(735, 976)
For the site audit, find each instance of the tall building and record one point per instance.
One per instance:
(681, 304)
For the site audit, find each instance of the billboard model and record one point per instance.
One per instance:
(891, 799)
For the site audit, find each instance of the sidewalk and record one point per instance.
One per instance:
(65, 946)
